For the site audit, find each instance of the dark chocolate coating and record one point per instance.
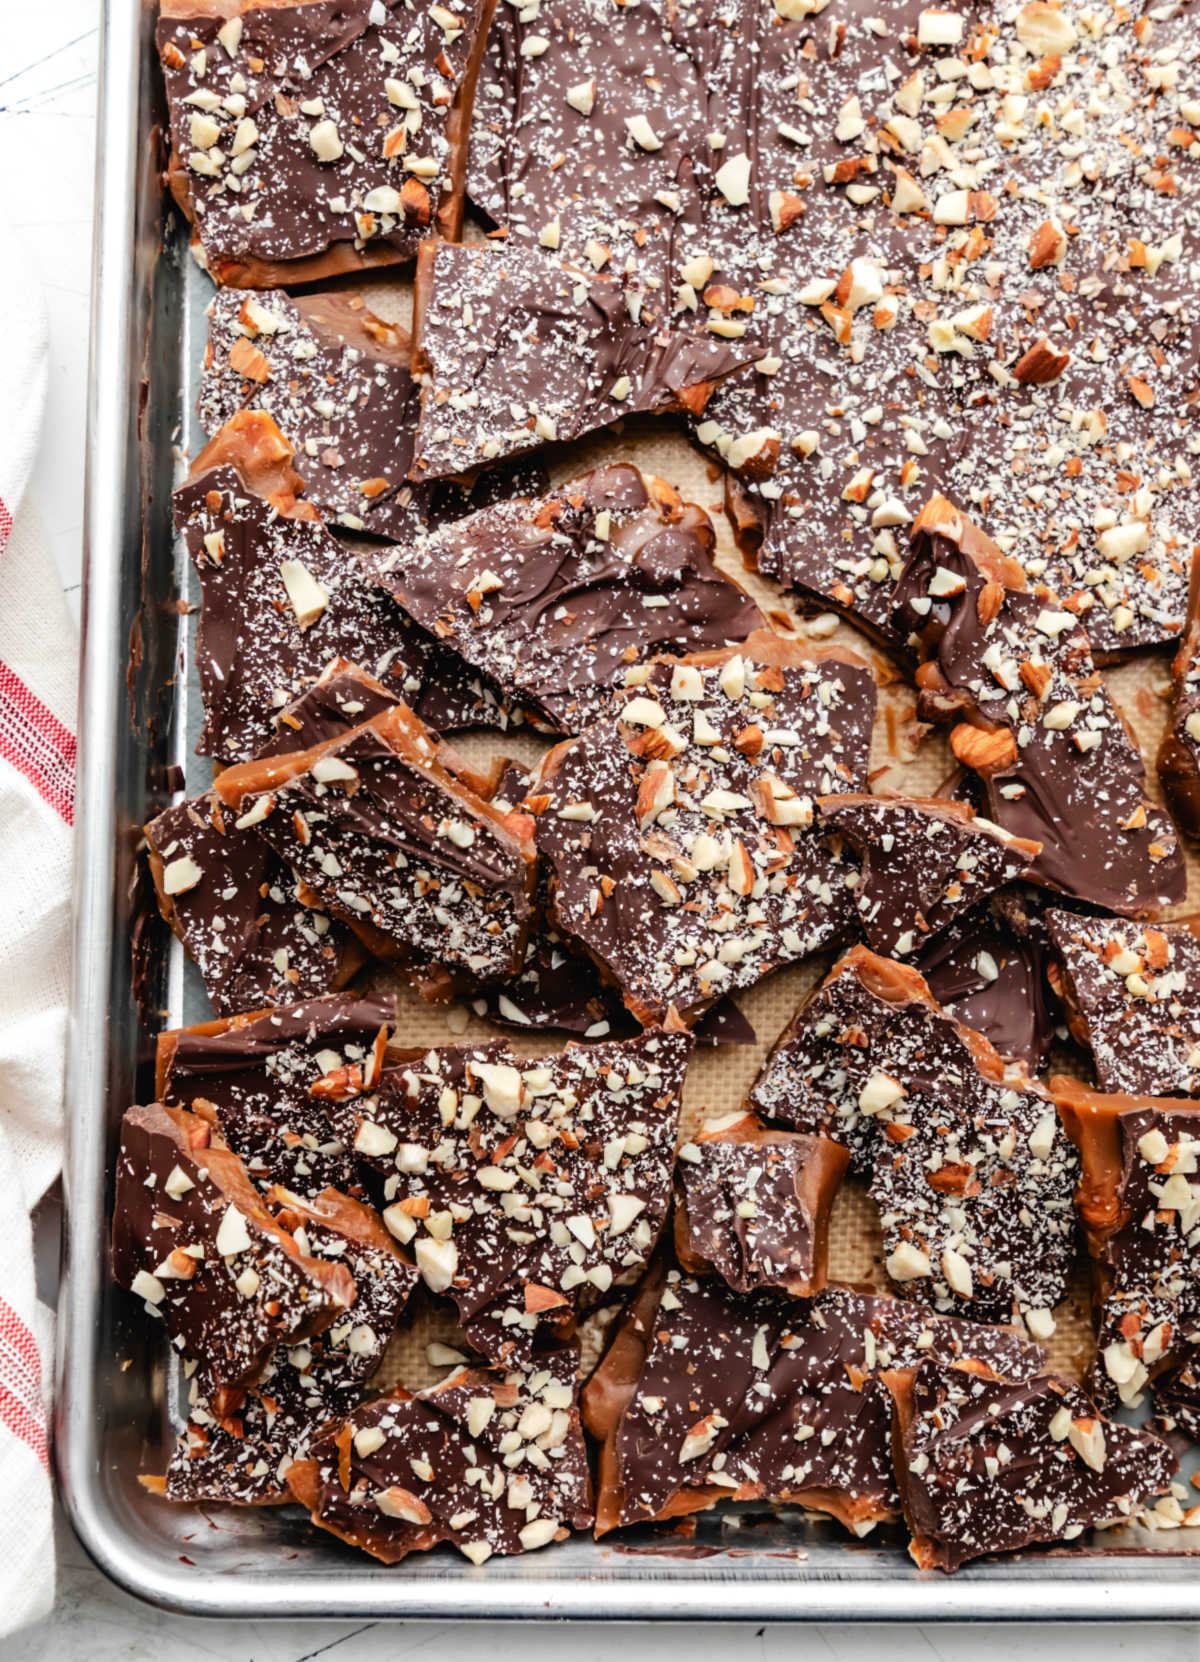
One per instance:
(1177, 1399)
(404, 1472)
(554, 1175)
(679, 832)
(338, 381)
(986, 1466)
(256, 1075)
(1132, 994)
(250, 108)
(1057, 766)
(237, 1446)
(553, 601)
(971, 1171)
(1179, 752)
(519, 350)
(923, 866)
(706, 1395)
(239, 1284)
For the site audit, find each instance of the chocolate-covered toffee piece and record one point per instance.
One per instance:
(338, 382)
(679, 832)
(388, 833)
(986, 1466)
(1179, 752)
(924, 862)
(309, 139)
(991, 974)
(704, 1395)
(554, 601)
(237, 909)
(1013, 670)
(527, 1189)
(1139, 1201)
(267, 1079)
(1132, 996)
(1177, 1398)
(754, 1204)
(516, 349)
(238, 1445)
(968, 1164)
(492, 1460)
(281, 596)
(193, 1238)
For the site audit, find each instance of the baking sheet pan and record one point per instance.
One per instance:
(117, 1388)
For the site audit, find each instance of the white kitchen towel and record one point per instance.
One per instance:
(37, 777)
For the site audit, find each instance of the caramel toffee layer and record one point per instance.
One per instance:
(924, 863)
(381, 830)
(704, 1396)
(987, 1466)
(193, 1239)
(1132, 995)
(265, 1079)
(517, 349)
(237, 1446)
(317, 137)
(527, 1189)
(678, 833)
(338, 382)
(967, 1162)
(754, 1205)
(1033, 720)
(492, 1461)
(553, 601)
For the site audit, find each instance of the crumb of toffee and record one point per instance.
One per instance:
(555, 602)
(972, 1174)
(989, 1466)
(1132, 996)
(193, 1239)
(1014, 673)
(679, 832)
(388, 830)
(705, 1396)
(491, 1460)
(754, 1204)
(308, 140)
(526, 1190)
(924, 863)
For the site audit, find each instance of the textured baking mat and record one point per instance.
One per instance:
(904, 757)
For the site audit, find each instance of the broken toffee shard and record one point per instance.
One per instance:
(753, 1204)
(310, 139)
(1132, 997)
(924, 863)
(281, 596)
(389, 830)
(1014, 673)
(491, 1460)
(526, 1189)
(515, 350)
(193, 1238)
(966, 1160)
(1179, 752)
(985, 1465)
(555, 602)
(1138, 1201)
(704, 1395)
(338, 381)
(239, 1445)
(266, 1078)
(678, 833)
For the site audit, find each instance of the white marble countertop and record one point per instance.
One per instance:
(47, 98)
